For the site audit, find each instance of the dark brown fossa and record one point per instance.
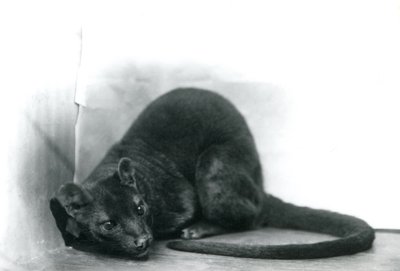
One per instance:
(188, 166)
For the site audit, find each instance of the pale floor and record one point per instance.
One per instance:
(384, 256)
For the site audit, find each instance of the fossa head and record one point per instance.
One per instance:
(110, 216)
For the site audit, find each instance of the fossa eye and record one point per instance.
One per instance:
(140, 210)
(108, 226)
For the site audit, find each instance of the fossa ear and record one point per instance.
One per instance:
(73, 197)
(66, 204)
(126, 172)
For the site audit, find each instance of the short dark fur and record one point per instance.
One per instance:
(189, 165)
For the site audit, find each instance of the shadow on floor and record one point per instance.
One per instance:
(384, 256)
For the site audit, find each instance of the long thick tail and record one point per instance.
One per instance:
(354, 234)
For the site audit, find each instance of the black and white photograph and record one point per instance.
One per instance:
(200, 135)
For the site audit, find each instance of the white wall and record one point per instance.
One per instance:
(39, 54)
(332, 72)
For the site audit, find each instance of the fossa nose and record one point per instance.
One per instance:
(143, 242)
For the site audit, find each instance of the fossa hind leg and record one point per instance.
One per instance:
(228, 182)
